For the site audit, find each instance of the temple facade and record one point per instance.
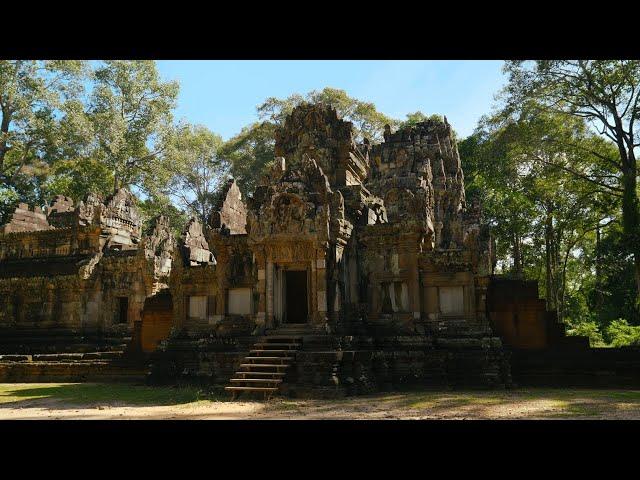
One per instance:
(367, 252)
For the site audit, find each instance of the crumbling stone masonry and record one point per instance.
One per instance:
(81, 270)
(368, 254)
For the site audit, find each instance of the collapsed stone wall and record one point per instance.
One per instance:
(25, 219)
(76, 265)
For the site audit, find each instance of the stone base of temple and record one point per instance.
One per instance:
(112, 366)
(40, 340)
(335, 366)
(40, 354)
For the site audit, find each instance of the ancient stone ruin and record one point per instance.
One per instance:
(352, 267)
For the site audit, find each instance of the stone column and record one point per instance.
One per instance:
(481, 288)
(320, 287)
(269, 295)
(313, 298)
(415, 288)
(261, 289)
(432, 306)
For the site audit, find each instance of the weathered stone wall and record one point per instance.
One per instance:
(49, 243)
(83, 271)
(26, 219)
(520, 317)
(230, 214)
(317, 132)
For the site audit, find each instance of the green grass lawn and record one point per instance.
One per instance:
(91, 393)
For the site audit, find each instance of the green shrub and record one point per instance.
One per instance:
(589, 329)
(621, 334)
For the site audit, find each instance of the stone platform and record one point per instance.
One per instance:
(335, 365)
(40, 340)
(73, 367)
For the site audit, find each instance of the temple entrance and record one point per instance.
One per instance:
(123, 310)
(296, 301)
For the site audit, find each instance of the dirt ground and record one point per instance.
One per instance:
(110, 402)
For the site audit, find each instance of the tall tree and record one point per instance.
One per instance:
(516, 165)
(34, 97)
(606, 93)
(250, 153)
(196, 170)
(131, 111)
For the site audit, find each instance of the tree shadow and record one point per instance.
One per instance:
(68, 396)
(494, 404)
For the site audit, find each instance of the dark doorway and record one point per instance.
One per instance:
(296, 297)
(123, 310)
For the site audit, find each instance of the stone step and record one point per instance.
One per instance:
(256, 380)
(261, 374)
(292, 346)
(44, 357)
(270, 358)
(269, 351)
(252, 389)
(272, 354)
(283, 338)
(264, 365)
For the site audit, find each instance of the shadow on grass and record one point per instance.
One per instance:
(521, 403)
(74, 395)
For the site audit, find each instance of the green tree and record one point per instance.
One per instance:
(195, 169)
(37, 102)
(613, 294)
(417, 117)
(250, 153)
(544, 218)
(152, 208)
(606, 93)
(131, 113)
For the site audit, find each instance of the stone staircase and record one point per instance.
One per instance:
(265, 368)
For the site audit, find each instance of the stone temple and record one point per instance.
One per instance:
(352, 267)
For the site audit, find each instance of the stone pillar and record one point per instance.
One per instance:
(481, 288)
(313, 297)
(221, 299)
(414, 285)
(320, 287)
(269, 295)
(261, 288)
(432, 306)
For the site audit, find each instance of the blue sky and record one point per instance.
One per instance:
(223, 95)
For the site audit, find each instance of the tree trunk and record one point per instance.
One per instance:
(598, 299)
(4, 130)
(517, 256)
(548, 249)
(559, 270)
